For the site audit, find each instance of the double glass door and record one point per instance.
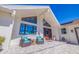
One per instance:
(47, 33)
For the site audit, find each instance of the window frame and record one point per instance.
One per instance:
(63, 30)
(31, 21)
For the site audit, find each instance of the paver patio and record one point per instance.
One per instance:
(54, 47)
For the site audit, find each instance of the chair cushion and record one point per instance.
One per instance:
(26, 40)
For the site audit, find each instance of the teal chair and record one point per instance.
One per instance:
(39, 40)
(24, 42)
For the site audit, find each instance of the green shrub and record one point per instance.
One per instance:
(2, 39)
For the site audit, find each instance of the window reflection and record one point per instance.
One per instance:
(27, 29)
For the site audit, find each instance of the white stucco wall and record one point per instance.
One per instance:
(6, 25)
(70, 36)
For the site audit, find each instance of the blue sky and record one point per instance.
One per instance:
(66, 12)
(63, 12)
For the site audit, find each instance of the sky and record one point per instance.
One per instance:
(63, 12)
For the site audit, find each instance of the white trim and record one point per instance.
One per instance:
(20, 7)
(28, 23)
(43, 12)
(54, 16)
(5, 9)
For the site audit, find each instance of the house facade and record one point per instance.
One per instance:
(27, 21)
(70, 32)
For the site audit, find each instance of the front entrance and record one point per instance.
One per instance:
(77, 33)
(47, 34)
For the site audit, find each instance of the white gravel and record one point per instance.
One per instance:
(54, 47)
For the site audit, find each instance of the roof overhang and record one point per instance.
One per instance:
(27, 9)
(33, 11)
(3, 9)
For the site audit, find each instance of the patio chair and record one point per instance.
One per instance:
(39, 40)
(24, 42)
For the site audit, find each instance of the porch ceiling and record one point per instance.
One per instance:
(32, 12)
(27, 9)
(3, 9)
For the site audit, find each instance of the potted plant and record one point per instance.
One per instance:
(2, 39)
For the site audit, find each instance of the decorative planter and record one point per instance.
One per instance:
(33, 42)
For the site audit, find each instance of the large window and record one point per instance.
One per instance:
(45, 23)
(63, 31)
(27, 29)
(30, 19)
(22, 28)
